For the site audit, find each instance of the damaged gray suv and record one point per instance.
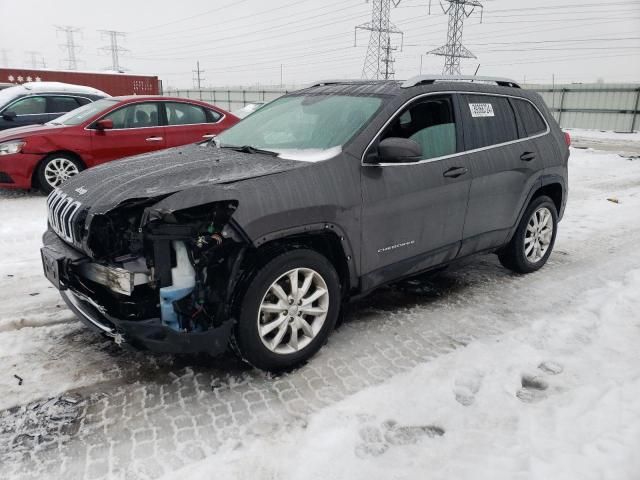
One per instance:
(257, 239)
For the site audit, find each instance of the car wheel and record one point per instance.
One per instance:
(288, 310)
(531, 245)
(57, 169)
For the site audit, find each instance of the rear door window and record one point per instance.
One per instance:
(530, 118)
(61, 104)
(489, 120)
(184, 114)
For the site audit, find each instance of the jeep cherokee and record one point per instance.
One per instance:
(257, 239)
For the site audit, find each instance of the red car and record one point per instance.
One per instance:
(44, 156)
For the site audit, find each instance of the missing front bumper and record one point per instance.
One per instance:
(148, 334)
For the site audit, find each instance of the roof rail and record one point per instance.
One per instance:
(346, 81)
(428, 79)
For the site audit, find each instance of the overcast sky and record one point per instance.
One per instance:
(245, 42)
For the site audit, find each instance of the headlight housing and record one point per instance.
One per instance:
(11, 147)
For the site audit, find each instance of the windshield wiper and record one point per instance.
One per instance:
(250, 149)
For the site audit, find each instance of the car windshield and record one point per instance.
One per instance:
(303, 122)
(79, 115)
(8, 94)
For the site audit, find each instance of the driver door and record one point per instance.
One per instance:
(413, 214)
(137, 128)
(31, 110)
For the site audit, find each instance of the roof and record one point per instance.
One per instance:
(355, 87)
(429, 79)
(55, 87)
(129, 98)
(394, 87)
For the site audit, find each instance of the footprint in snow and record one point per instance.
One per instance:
(551, 368)
(376, 440)
(466, 386)
(534, 386)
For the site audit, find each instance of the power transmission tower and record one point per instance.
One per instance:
(453, 51)
(114, 48)
(5, 57)
(33, 59)
(70, 45)
(388, 60)
(378, 61)
(198, 78)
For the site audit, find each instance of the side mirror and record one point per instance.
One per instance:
(399, 150)
(104, 124)
(9, 116)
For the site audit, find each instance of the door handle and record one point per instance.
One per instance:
(455, 172)
(154, 139)
(527, 156)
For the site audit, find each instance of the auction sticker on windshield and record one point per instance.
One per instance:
(481, 110)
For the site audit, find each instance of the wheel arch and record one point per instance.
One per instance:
(555, 191)
(327, 239)
(551, 185)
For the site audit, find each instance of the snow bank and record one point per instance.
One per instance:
(603, 135)
(557, 399)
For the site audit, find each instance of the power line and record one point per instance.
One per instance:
(379, 58)
(114, 48)
(453, 51)
(70, 45)
(234, 3)
(282, 29)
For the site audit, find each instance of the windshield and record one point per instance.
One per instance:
(9, 94)
(302, 122)
(79, 115)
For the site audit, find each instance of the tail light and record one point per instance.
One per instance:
(567, 138)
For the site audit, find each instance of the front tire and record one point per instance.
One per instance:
(55, 169)
(531, 245)
(288, 310)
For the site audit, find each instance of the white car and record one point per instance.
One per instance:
(40, 102)
(248, 109)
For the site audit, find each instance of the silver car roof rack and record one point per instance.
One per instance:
(348, 81)
(428, 79)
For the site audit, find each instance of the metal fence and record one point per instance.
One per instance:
(597, 106)
(229, 99)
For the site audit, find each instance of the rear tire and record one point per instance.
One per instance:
(55, 169)
(531, 245)
(281, 325)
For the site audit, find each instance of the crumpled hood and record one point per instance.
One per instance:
(169, 171)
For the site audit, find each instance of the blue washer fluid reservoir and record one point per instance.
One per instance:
(183, 277)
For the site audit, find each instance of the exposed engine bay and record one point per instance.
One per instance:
(180, 267)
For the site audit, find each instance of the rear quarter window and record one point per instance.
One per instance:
(489, 121)
(530, 118)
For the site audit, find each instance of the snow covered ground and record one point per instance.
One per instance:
(624, 143)
(478, 373)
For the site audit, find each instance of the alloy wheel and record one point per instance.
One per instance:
(293, 311)
(59, 170)
(538, 235)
